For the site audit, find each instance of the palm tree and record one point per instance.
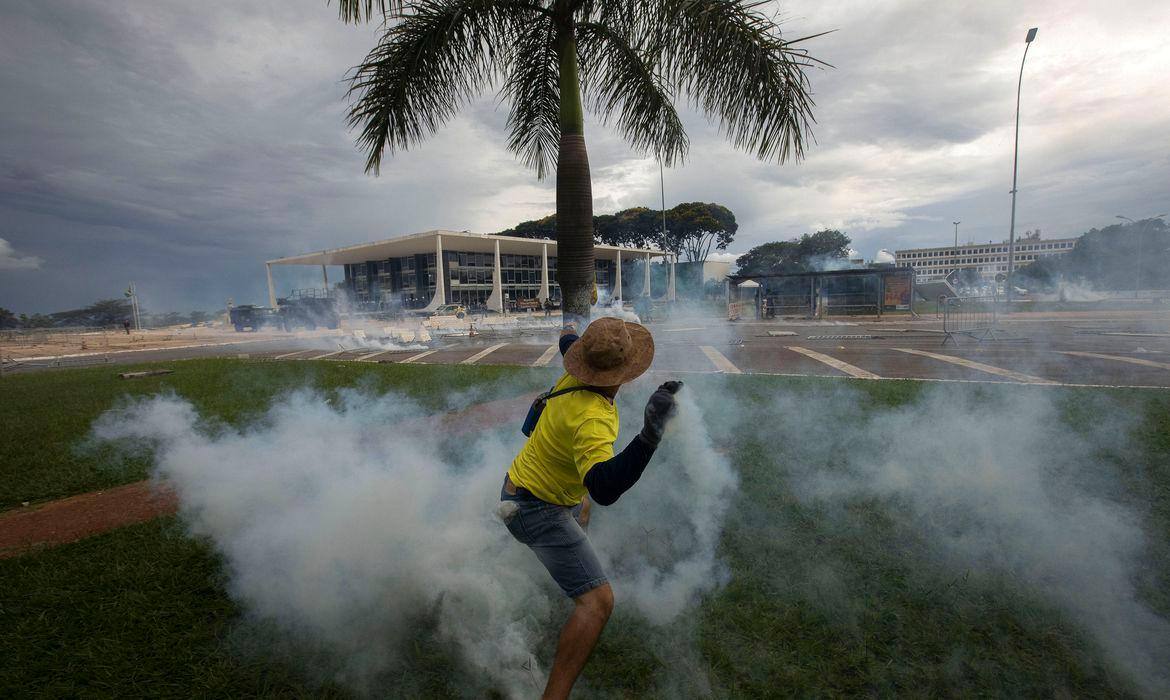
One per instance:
(629, 58)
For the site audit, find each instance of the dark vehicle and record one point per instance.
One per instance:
(254, 317)
(309, 308)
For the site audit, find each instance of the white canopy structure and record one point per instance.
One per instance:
(438, 240)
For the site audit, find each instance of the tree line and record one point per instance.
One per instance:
(692, 230)
(104, 313)
(1117, 257)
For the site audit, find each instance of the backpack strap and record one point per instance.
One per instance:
(596, 390)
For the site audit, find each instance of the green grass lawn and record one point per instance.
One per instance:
(144, 611)
(46, 415)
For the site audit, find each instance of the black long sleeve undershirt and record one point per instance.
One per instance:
(608, 480)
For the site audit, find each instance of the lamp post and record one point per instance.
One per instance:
(956, 260)
(1141, 239)
(1015, 162)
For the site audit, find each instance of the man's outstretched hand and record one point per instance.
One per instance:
(659, 410)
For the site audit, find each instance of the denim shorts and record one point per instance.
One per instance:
(553, 533)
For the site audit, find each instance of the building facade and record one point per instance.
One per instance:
(988, 259)
(483, 271)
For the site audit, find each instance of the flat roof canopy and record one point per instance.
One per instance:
(417, 243)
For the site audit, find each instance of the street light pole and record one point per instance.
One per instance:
(1015, 163)
(955, 260)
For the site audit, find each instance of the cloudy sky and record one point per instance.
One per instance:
(180, 144)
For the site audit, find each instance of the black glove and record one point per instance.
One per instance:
(659, 409)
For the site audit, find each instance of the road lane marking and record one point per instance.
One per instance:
(971, 364)
(419, 356)
(367, 358)
(721, 363)
(328, 354)
(1118, 358)
(482, 354)
(680, 330)
(851, 370)
(547, 357)
(290, 354)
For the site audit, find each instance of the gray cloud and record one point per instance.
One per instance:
(181, 145)
(11, 260)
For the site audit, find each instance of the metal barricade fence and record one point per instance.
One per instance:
(971, 316)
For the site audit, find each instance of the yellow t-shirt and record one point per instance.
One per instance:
(575, 431)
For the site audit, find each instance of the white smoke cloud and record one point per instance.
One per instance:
(1002, 487)
(342, 521)
(10, 260)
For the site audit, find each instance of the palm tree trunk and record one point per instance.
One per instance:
(575, 266)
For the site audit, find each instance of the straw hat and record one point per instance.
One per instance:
(610, 352)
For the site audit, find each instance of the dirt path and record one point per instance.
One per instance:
(75, 518)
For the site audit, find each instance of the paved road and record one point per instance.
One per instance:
(1098, 351)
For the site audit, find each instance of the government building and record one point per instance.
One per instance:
(988, 259)
(424, 271)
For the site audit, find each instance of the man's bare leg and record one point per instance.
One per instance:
(578, 637)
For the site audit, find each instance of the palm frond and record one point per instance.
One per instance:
(623, 86)
(731, 61)
(358, 11)
(427, 65)
(532, 87)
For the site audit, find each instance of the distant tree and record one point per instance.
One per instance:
(796, 255)
(107, 312)
(1119, 256)
(638, 227)
(8, 319)
(1042, 275)
(692, 229)
(197, 317)
(537, 228)
(171, 318)
(35, 321)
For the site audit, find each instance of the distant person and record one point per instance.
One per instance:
(548, 305)
(126, 326)
(644, 308)
(568, 459)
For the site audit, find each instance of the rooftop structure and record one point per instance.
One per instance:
(477, 269)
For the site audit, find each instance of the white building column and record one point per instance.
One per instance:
(617, 286)
(671, 295)
(440, 297)
(495, 302)
(543, 295)
(646, 281)
(271, 287)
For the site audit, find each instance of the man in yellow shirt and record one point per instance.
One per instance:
(569, 456)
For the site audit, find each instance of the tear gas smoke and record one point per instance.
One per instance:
(341, 523)
(1001, 487)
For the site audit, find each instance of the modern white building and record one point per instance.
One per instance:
(426, 270)
(988, 259)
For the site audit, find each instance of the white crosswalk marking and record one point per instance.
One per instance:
(971, 364)
(371, 356)
(419, 356)
(289, 354)
(1118, 358)
(851, 370)
(547, 357)
(482, 354)
(328, 354)
(717, 358)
